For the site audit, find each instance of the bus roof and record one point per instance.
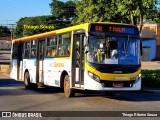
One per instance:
(67, 29)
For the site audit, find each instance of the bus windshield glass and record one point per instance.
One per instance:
(113, 50)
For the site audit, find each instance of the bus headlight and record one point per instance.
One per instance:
(93, 76)
(135, 78)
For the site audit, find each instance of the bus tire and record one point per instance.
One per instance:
(27, 83)
(69, 92)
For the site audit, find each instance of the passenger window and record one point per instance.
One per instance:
(27, 50)
(51, 46)
(33, 48)
(64, 44)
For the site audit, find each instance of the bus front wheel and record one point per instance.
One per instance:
(69, 92)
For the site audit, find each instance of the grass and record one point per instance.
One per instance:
(150, 78)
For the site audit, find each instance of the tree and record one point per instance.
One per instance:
(153, 15)
(97, 11)
(34, 25)
(125, 11)
(136, 9)
(4, 31)
(63, 10)
(63, 13)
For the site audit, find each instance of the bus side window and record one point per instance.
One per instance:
(64, 44)
(52, 52)
(33, 53)
(33, 48)
(27, 49)
(51, 46)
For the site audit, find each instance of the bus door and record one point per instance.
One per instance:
(16, 61)
(19, 62)
(78, 61)
(39, 63)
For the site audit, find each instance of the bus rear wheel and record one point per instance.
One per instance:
(27, 83)
(69, 92)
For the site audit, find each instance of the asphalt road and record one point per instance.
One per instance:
(14, 97)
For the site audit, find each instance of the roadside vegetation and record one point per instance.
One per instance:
(150, 78)
(75, 12)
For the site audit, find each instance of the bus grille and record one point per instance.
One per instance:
(110, 83)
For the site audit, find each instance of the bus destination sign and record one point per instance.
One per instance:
(114, 29)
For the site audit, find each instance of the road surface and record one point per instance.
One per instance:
(14, 97)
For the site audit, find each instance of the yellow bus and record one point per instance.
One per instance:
(100, 56)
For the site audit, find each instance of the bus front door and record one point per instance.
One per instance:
(39, 64)
(78, 61)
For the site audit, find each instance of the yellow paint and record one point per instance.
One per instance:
(4, 68)
(58, 64)
(113, 77)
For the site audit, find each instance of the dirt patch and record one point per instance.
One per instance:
(153, 65)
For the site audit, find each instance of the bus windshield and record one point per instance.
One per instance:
(113, 50)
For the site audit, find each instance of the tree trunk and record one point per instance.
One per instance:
(141, 15)
(131, 9)
(141, 22)
(132, 17)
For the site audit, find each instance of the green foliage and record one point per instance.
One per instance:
(137, 9)
(151, 78)
(97, 11)
(126, 11)
(63, 14)
(37, 25)
(63, 10)
(4, 31)
(153, 15)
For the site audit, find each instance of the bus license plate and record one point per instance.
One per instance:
(117, 85)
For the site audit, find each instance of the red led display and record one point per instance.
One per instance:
(99, 28)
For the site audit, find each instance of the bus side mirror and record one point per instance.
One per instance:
(86, 45)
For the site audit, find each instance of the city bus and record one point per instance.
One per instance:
(102, 56)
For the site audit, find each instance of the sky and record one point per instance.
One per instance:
(12, 10)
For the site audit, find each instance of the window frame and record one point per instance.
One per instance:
(62, 44)
(27, 49)
(51, 46)
(33, 48)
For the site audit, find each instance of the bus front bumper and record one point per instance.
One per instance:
(91, 84)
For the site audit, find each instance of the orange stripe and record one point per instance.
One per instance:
(34, 37)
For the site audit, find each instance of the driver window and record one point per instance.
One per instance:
(103, 50)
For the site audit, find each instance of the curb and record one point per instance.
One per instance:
(151, 90)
